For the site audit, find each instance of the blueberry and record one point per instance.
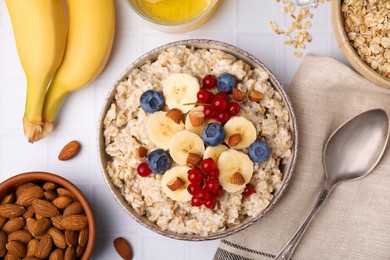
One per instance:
(159, 161)
(151, 101)
(213, 134)
(259, 151)
(226, 82)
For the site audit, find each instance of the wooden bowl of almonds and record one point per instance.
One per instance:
(44, 216)
(362, 33)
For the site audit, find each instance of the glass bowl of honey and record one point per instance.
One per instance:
(174, 16)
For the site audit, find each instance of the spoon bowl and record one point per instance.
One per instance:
(351, 152)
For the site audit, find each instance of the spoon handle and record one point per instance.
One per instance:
(289, 248)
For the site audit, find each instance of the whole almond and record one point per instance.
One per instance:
(73, 209)
(30, 224)
(237, 179)
(80, 250)
(238, 95)
(14, 224)
(234, 140)
(20, 235)
(56, 255)
(3, 242)
(174, 114)
(29, 213)
(255, 96)
(11, 210)
(27, 195)
(16, 248)
(70, 253)
(193, 159)
(142, 152)
(23, 187)
(83, 237)
(31, 247)
(8, 256)
(45, 208)
(40, 226)
(62, 202)
(74, 222)
(58, 237)
(196, 118)
(9, 198)
(3, 220)
(57, 222)
(50, 195)
(69, 151)
(71, 237)
(123, 248)
(49, 186)
(65, 192)
(44, 247)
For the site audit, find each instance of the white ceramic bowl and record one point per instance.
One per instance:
(287, 169)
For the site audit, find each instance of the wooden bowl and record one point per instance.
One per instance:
(349, 52)
(11, 184)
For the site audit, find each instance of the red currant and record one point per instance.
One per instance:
(225, 95)
(209, 112)
(203, 195)
(205, 97)
(211, 202)
(218, 192)
(234, 108)
(212, 185)
(220, 103)
(195, 201)
(249, 190)
(208, 165)
(214, 174)
(193, 188)
(195, 176)
(223, 116)
(144, 170)
(209, 81)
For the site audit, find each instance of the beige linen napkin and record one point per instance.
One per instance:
(354, 223)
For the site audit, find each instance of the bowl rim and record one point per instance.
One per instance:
(209, 9)
(349, 52)
(37, 176)
(230, 49)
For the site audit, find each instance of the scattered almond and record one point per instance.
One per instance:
(45, 208)
(9, 198)
(70, 253)
(11, 210)
(255, 96)
(40, 226)
(27, 195)
(196, 118)
(175, 184)
(69, 151)
(16, 248)
(71, 238)
(142, 152)
(73, 209)
(83, 237)
(193, 159)
(31, 247)
(174, 114)
(58, 237)
(49, 186)
(56, 255)
(14, 224)
(62, 202)
(234, 140)
(44, 247)
(123, 248)
(3, 242)
(74, 222)
(238, 95)
(20, 235)
(237, 179)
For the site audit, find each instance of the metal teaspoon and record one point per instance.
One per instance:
(350, 153)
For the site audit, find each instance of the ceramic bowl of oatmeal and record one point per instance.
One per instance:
(197, 140)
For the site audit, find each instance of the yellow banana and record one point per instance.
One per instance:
(90, 37)
(40, 34)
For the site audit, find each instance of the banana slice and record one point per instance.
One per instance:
(184, 143)
(197, 129)
(231, 162)
(214, 152)
(180, 89)
(174, 183)
(241, 126)
(161, 129)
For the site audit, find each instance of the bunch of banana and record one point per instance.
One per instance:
(57, 62)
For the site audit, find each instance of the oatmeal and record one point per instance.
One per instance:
(192, 152)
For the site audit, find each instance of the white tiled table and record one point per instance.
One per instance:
(240, 22)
